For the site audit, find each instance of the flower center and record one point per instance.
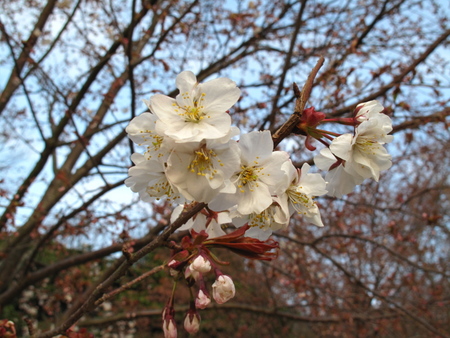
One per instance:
(367, 145)
(248, 177)
(193, 113)
(155, 145)
(160, 188)
(202, 163)
(262, 220)
(299, 199)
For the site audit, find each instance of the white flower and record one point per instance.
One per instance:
(339, 181)
(301, 191)
(199, 111)
(368, 110)
(201, 169)
(379, 125)
(173, 272)
(354, 158)
(260, 176)
(202, 300)
(147, 178)
(201, 264)
(141, 131)
(362, 153)
(273, 218)
(223, 289)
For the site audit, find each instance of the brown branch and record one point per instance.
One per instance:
(384, 247)
(23, 58)
(57, 130)
(287, 65)
(360, 284)
(216, 66)
(15, 288)
(398, 78)
(302, 98)
(416, 122)
(279, 313)
(90, 302)
(128, 285)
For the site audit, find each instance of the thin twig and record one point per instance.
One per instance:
(359, 283)
(89, 303)
(128, 285)
(301, 99)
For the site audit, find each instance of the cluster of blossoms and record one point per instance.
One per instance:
(352, 158)
(192, 155)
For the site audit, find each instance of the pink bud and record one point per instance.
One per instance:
(192, 322)
(223, 289)
(169, 328)
(189, 272)
(202, 300)
(172, 264)
(201, 264)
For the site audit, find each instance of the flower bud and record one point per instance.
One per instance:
(7, 328)
(192, 322)
(201, 264)
(202, 300)
(172, 264)
(191, 273)
(223, 289)
(169, 328)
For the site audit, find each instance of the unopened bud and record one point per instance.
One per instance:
(192, 322)
(202, 300)
(223, 289)
(170, 329)
(169, 326)
(190, 273)
(201, 264)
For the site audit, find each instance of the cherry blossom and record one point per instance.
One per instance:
(198, 112)
(192, 155)
(148, 179)
(262, 224)
(201, 264)
(223, 289)
(353, 158)
(201, 169)
(202, 300)
(260, 176)
(299, 196)
(339, 181)
(170, 329)
(192, 322)
(142, 131)
(362, 153)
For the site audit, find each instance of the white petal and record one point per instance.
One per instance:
(165, 108)
(215, 230)
(141, 129)
(325, 159)
(186, 81)
(340, 182)
(255, 144)
(341, 146)
(261, 234)
(219, 94)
